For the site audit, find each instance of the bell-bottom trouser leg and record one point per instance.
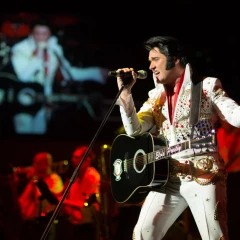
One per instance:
(161, 210)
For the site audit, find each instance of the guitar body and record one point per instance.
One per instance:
(131, 175)
(29, 97)
(16, 94)
(24, 98)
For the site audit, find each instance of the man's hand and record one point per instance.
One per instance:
(41, 46)
(130, 82)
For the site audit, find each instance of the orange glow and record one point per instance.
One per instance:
(229, 144)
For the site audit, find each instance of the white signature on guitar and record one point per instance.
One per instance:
(169, 151)
(174, 149)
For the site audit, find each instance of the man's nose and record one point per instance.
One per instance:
(151, 66)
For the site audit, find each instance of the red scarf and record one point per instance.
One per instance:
(170, 93)
(45, 58)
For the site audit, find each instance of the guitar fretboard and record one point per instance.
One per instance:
(166, 152)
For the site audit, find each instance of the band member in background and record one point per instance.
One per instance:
(40, 197)
(82, 204)
(197, 177)
(40, 59)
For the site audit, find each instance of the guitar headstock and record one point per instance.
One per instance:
(209, 140)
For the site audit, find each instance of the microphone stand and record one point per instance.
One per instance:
(76, 171)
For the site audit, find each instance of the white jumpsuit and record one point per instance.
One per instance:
(204, 193)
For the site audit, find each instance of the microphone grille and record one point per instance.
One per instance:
(142, 74)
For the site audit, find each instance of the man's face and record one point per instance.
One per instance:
(41, 33)
(158, 62)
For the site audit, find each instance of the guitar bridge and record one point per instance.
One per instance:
(125, 165)
(125, 162)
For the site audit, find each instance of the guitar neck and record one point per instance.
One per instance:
(166, 152)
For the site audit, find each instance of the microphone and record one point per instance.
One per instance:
(141, 74)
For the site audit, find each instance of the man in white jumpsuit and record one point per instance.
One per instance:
(40, 59)
(197, 177)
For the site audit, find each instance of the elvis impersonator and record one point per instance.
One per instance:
(197, 177)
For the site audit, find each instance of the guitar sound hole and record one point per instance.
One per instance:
(139, 161)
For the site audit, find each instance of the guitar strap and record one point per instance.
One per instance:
(196, 94)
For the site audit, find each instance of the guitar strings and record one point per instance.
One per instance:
(143, 159)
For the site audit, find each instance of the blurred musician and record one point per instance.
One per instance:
(40, 196)
(81, 205)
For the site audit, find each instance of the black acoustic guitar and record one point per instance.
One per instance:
(140, 164)
(29, 96)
